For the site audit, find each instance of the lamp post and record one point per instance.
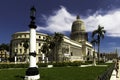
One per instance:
(32, 72)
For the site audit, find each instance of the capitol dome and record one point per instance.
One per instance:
(78, 30)
(78, 25)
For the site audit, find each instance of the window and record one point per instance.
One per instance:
(20, 44)
(39, 50)
(20, 50)
(39, 36)
(71, 54)
(25, 36)
(44, 38)
(39, 44)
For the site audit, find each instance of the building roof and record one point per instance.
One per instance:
(27, 32)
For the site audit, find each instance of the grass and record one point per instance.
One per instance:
(57, 73)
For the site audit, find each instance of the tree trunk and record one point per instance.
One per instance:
(98, 50)
(94, 60)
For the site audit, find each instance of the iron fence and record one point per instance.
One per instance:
(107, 74)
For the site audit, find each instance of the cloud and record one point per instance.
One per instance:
(61, 21)
(110, 21)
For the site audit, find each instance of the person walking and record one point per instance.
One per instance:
(117, 67)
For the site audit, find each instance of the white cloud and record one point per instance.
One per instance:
(110, 21)
(62, 20)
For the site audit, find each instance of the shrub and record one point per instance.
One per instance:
(63, 64)
(42, 64)
(5, 66)
(75, 63)
(59, 64)
(88, 62)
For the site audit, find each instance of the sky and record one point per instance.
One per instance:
(58, 15)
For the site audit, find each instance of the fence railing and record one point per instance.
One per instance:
(107, 74)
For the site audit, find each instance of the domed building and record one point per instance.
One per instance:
(79, 34)
(70, 50)
(75, 48)
(78, 31)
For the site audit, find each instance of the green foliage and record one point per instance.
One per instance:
(5, 66)
(75, 63)
(45, 48)
(97, 35)
(59, 64)
(62, 64)
(66, 64)
(4, 47)
(25, 44)
(88, 62)
(42, 64)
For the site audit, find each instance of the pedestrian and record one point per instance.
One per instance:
(117, 68)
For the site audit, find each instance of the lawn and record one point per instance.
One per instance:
(57, 73)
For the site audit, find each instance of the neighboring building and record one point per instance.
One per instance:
(75, 48)
(17, 42)
(108, 56)
(4, 55)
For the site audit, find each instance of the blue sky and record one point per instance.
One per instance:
(58, 15)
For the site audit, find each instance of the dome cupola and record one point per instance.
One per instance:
(78, 25)
(78, 31)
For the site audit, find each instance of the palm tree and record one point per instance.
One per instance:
(99, 33)
(51, 46)
(94, 42)
(57, 39)
(45, 50)
(47, 46)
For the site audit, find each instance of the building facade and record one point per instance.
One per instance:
(17, 48)
(4, 55)
(75, 48)
(79, 34)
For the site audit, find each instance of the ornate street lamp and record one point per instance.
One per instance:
(32, 72)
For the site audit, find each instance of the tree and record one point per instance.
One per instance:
(4, 47)
(26, 46)
(51, 46)
(45, 50)
(98, 34)
(57, 39)
(94, 42)
(47, 46)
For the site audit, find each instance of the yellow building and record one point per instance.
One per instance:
(17, 42)
(4, 55)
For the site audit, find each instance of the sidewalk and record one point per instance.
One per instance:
(113, 76)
